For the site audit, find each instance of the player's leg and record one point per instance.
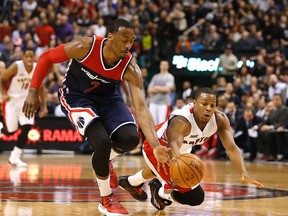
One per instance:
(134, 183)
(101, 142)
(193, 198)
(12, 114)
(83, 115)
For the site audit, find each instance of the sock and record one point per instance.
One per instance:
(137, 179)
(113, 154)
(164, 195)
(104, 186)
(18, 150)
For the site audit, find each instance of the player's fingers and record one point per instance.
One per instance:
(158, 166)
(166, 167)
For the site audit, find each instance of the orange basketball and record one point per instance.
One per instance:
(186, 170)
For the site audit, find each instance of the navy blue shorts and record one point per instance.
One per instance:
(82, 109)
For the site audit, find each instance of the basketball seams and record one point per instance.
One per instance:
(180, 174)
(191, 170)
(196, 168)
(194, 158)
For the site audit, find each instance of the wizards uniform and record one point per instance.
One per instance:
(90, 91)
(195, 137)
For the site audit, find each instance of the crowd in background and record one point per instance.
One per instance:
(254, 98)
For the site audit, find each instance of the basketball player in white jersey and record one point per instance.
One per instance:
(14, 86)
(192, 125)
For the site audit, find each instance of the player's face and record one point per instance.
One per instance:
(205, 107)
(123, 41)
(29, 58)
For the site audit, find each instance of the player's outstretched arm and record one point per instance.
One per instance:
(232, 149)
(74, 49)
(143, 115)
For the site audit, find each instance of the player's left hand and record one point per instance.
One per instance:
(248, 179)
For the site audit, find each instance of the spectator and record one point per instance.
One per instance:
(99, 28)
(183, 46)
(246, 130)
(275, 86)
(227, 65)
(276, 121)
(64, 30)
(159, 93)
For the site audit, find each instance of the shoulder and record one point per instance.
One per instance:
(79, 47)
(221, 118)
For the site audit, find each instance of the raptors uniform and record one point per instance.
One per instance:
(90, 91)
(196, 137)
(17, 90)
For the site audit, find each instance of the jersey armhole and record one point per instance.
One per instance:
(91, 49)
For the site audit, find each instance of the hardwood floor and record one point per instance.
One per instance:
(62, 185)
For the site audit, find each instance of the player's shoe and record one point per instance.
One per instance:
(14, 158)
(136, 192)
(109, 205)
(157, 201)
(113, 176)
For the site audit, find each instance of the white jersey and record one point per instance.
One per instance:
(20, 83)
(196, 135)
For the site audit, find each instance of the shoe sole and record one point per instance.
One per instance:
(105, 212)
(153, 200)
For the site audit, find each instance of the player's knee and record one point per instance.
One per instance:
(125, 139)
(192, 198)
(127, 143)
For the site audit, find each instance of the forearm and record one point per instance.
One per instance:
(145, 119)
(162, 89)
(42, 95)
(237, 160)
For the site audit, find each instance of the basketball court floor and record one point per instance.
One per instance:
(64, 185)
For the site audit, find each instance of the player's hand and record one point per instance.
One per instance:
(43, 112)
(162, 157)
(248, 179)
(5, 97)
(31, 103)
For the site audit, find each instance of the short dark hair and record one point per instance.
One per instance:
(201, 90)
(28, 49)
(117, 23)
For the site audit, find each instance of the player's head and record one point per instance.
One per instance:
(29, 56)
(204, 104)
(121, 37)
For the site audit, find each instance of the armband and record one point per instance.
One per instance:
(49, 57)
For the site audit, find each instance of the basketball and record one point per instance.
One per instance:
(186, 170)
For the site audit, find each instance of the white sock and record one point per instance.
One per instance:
(18, 150)
(137, 179)
(113, 154)
(164, 195)
(104, 186)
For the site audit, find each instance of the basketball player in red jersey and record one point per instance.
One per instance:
(191, 125)
(92, 102)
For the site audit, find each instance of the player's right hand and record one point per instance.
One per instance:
(5, 97)
(31, 103)
(161, 154)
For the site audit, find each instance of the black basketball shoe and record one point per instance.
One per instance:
(157, 201)
(136, 192)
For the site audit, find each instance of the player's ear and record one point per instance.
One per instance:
(110, 36)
